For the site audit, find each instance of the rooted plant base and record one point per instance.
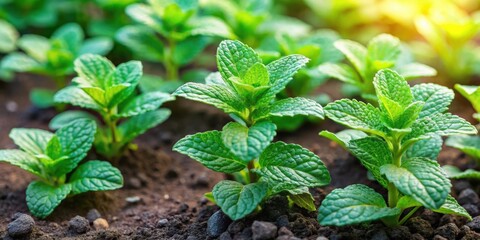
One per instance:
(165, 189)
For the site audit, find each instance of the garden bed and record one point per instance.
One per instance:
(163, 193)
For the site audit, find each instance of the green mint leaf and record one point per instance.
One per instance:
(238, 200)
(218, 96)
(470, 145)
(209, 149)
(373, 153)
(214, 78)
(455, 173)
(210, 26)
(388, 84)
(355, 53)
(343, 137)
(42, 98)
(451, 206)
(22, 160)
(77, 97)
(383, 50)
(471, 93)
(64, 118)
(8, 37)
(95, 176)
(355, 114)
(33, 141)
(54, 148)
(35, 46)
(427, 148)
(20, 62)
(437, 98)
(354, 204)
(415, 70)
(97, 94)
(144, 103)
(421, 178)
(302, 198)
(71, 35)
(290, 107)
(142, 41)
(248, 143)
(188, 49)
(234, 59)
(139, 124)
(256, 76)
(42, 198)
(93, 69)
(129, 72)
(443, 124)
(144, 14)
(340, 71)
(289, 166)
(96, 45)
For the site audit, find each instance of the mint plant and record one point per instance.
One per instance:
(383, 51)
(55, 159)
(8, 43)
(398, 142)
(470, 145)
(110, 91)
(172, 33)
(245, 88)
(53, 57)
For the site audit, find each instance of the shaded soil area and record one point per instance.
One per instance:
(163, 193)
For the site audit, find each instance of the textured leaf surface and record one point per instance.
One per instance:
(373, 153)
(354, 204)
(248, 143)
(33, 141)
(340, 71)
(235, 58)
(455, 173)
(289, 166)
(388, 84)
(290, 107)
(77, 97)
(94, 69)
(427, 148)
(144, 103)
(443, 124)
(281, 72)
(238, 200)
(421, 178)
(450, 206)
(343, 137)
(95, 176)
(139, 124)
(355, 53)
(65, 118)
(472, 93)
(437, 98)
(416, 70)
(209, 149)
(42, 198)
(21, 159)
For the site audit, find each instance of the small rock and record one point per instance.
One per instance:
(400, 232)
(475, 224)
(192, 238)
(420, 226)
(183, 208)
(100, 224)
(468, 196)
(470, 235)
(171, 174)
(133, 199)
(461, 185)
(225, 236)
(417, 236)
(380, 235)
(472, 209)
(162, 223)
(263, 230)
(285, 237)
(236, 227)
(438, 237)
(11, 106)
(78, 225)
(93, 215)
(202, 181)
(246, 234)
(283, 231)
(322, 238)
(21, 226)
(217, 224)
(448, 231)
(431, 217)
(134, 183)
(282, 221)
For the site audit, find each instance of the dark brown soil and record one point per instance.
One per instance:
(171, 186)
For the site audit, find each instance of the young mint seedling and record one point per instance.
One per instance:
(245, 88)
(398, 142)
(171, 32)
(470, 145)
(54, 158)
(383, 51)
(110, 91)
(8, 43)
(53, 57)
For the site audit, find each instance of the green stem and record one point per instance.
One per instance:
(404, 219)
(112, 125)
(170, 66)
(251, 175)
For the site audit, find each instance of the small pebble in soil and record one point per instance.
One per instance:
(236, 227)
(438, 237)
(417, 236)
(472, 209)
(100, 224)
(400, 232)
(448, 231)
(282, 221)
(134, 183)
(162, 223)
(133, 199)
(468, 196)
(217, 224)
(263, 230)
(78, 225)
(287, 238)
(283, 231)
(11, 106)
(166, 196)
(380, 234)
(183, 208)
(474, 224)
(322, 238)
(21, 226)
(461, 185)
(93, 215)
(420, 226)
(225, 236)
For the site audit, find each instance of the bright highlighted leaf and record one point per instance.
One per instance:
(21, 159)
(290, 107)
(437, 98)
(234, 59)
(33, 141)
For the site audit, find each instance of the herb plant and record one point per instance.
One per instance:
(53, 57)
(110, 91)
(8, 43)
(383, 51)
(470, 145)
(171, 32)
(245, 88)
(398, 142)
(54, 159)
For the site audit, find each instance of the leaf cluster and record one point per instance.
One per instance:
(55, 159)
(8, 43)
(110, 91)
(398, 142)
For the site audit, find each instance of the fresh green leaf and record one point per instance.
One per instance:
(144, 103)
(64, 118)
(139, 124)
(8, 37)
(443, 124)
(290, 107)
(234, 59)
(455, 173)
(467, 144)
(76, 97)
(95, 176)
(32, 141)
(21, 159)
(355, 53)
(93, 69)
(343, 137)
(42, 198)
(427, 148)
(437, 98)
